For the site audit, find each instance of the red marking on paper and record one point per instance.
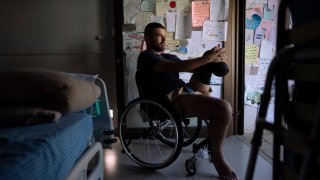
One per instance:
(172, 4)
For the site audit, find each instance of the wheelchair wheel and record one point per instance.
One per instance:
(143, 126)
(190, 166)
(189, 134)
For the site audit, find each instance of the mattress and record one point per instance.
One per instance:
(47, 151)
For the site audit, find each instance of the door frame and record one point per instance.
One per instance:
(233, 89)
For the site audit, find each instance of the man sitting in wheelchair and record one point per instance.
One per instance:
(160, 72)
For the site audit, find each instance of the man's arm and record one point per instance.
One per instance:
(191, 64)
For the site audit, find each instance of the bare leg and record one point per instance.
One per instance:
(218, 127)
(219, 113)
(198, 86)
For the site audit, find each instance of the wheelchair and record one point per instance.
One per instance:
(153, 134)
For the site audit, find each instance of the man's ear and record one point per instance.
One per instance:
(143, 46)
(146, 39)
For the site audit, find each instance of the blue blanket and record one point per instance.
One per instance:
(46, 151)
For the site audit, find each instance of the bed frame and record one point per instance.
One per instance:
(103, 125)
(83, 170)
(90, 165)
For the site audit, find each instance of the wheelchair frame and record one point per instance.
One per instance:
(154, 130)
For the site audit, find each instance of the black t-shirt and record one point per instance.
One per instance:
(157, 82)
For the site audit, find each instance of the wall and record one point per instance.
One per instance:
(260, 46)
(65, 35)
(193, 27)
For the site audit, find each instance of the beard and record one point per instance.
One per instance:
(158, 47)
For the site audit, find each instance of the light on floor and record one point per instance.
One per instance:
(110, 161)
(111, 113)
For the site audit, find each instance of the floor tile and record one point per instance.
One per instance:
(119, 166)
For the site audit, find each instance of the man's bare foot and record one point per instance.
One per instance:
(224, 170)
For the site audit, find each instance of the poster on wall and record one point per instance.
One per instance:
(200, 12)
(183, 26)
(131, 11)
(219, 10)
(198, 46)
(215, 31)
(147, 5)
(132, 41)
(251, 54)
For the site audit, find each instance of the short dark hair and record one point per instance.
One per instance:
(148, 29)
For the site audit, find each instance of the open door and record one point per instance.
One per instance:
(193, 27)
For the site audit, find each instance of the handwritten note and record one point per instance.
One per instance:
(267, 50)
(251, 81)
(217, 10)
(263, 66)
(215, 31)
(258, 36)
(226, 10)
(197, 46)
(183, 26)
(251, 54)
(249, 36)
(200, 12)
(266, 24)
(131, 11)
(273, 34)
(183, 6)
(147, 5)
(161, 7)
(171, 21)
(194, 43)
(262, 82)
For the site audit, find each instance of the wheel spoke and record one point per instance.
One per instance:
(145, 136)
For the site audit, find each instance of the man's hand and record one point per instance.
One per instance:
(216, 54)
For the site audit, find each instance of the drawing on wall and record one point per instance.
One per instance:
(252, 97)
